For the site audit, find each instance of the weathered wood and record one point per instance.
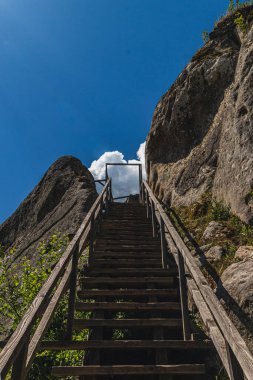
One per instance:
(164, 249)
(127, 280)
(176, 369)
(47, 317)
(119, 306)
(126, 344)
(19, 368)
(21, 334)
(235, 369)
(231, 334)
(80, 324)
(210, 324)
(131, 271)
(72, 296)
(128, 292)
(183, 298)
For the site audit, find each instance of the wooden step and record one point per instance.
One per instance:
(123, 272)
(128, 249)
(129, 242)
(127, 236)
(80, 324)
(127, 255)
(128, 292)
(127, 344)
(127, 280)
(125, 306)
(173, 369)
(135, 263)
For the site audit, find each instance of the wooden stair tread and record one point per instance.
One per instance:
(128, 292)
(131, 344)
(87, 306)
(137, 322)
(183, 369)
(127, 280)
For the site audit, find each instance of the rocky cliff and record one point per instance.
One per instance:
(58, 203)
(201, 138)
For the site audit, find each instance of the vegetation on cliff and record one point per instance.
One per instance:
(20, 282)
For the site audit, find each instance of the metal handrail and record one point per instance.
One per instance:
(20, 350)
(235, 354)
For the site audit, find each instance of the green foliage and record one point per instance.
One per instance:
(219, 212)
(19, 285)
(241, 22)
(20, 282)
(205, 36)
(238, 4)
(231, 6)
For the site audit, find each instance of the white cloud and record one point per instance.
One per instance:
(125, 180)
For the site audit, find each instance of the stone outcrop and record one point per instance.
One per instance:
(236, 290)
(201, 138)
(58, 203)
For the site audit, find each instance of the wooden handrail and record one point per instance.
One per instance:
(21, 335)
(228, 330)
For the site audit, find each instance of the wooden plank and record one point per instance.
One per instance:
(19, 369)
(135, 263)
(168, 306)
(210, 324)
(47, 318)
(166, 322)
(128, 292)
(126, 344)
(160, 271)
(235, 370)
(176, 369)
(233, 337)
(183, 298)
(21, 334)
(72, 295)
(126, 280)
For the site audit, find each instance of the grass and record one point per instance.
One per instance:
(197, 217)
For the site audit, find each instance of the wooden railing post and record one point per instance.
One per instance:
(92, 235)
(106, 203)
(140, 182)
(236, 372)
(183, 298)
(72, 295)
(19, 366)
(147, 204)
(163, 243)
(153, 216)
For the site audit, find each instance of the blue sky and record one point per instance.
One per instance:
(82, 77)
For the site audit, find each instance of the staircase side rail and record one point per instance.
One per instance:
(232, 337)
(45, 303)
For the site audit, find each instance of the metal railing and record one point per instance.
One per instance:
(231, 347)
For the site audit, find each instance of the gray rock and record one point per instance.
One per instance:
(214, 230)
(236, 290)
(214, 253)
(58, 203)
(245, 252)
(202, 129)
(205, 248)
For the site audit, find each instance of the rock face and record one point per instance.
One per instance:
(236, 289)
(201, 138)
(58, 203)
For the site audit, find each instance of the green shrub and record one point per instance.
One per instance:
(241, 22)
(205, 36)
(19, 285)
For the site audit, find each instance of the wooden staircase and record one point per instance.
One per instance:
(135, 326)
